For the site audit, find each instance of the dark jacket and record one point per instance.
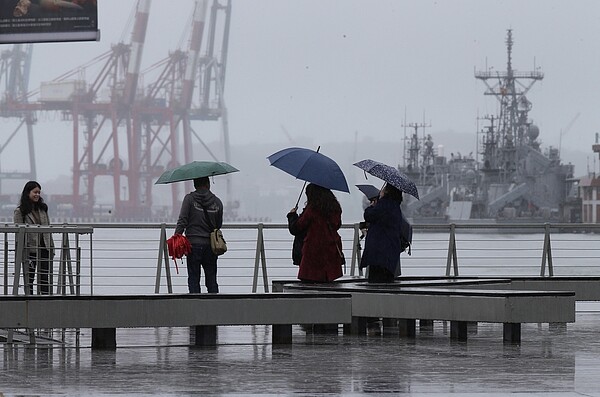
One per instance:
(321, 261)
(382, 245)
(192, 220)
(292, 218)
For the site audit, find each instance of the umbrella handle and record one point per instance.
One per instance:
(303, 186)
(300, 196)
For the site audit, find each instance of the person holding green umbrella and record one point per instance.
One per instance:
(201, 213)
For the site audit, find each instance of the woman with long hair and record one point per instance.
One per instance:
(39, 247)
(322, 255)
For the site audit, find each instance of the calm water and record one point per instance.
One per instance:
(549, 361)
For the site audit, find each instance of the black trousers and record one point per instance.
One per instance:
(41, 267)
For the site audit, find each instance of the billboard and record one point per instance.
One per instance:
(34, 21)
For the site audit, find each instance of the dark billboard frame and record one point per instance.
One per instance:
(34, 21)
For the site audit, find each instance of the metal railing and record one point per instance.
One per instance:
(68, 261)
(131, 258)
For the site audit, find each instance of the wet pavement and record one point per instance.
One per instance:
(549, 361)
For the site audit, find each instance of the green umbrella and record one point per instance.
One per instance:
(195, 169)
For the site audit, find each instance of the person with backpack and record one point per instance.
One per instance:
(383, 243)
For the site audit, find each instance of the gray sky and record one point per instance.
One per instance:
(329, 69)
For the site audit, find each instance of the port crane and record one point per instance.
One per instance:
(117, 122)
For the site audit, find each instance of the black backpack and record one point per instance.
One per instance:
(406, 231)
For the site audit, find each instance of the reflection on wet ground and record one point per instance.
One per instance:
(551, 360)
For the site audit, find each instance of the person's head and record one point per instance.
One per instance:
(322, 199)
(392, 192)
(203, 182)
(31, 198)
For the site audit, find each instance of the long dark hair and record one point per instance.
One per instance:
(26, 205)
(322, 199)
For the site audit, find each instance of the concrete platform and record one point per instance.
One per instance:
(551, 361)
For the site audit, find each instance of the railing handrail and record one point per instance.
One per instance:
(455, 244)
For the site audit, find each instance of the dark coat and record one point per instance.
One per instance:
(292, 218)
(382, 245)
(321, 260)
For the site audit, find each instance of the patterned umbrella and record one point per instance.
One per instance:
(390, 175)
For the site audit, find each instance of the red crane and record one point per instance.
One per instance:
(125, 134)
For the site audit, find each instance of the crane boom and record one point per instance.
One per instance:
(138, 37)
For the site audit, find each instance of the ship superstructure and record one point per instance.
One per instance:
(513, 180)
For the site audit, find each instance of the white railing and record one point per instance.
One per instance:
(65, 273)
(130, 258)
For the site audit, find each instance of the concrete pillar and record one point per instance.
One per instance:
(512, 332)
(357, 327)
(104, 338)
(407, 327)
(206, 335)
(458, 330)
(282, 334)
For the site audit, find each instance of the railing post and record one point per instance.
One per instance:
(356, 249)
(5, 263)
(77, 266)
(259, 257)
(91, 266)
(547, 253)
(163, 257)
(452, 257)
(19, 247)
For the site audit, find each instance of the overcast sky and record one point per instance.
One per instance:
(328, 70)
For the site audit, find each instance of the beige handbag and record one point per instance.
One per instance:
(217, 242)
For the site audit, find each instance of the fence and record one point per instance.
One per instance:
(126, 258)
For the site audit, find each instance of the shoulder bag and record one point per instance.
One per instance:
(217, 242)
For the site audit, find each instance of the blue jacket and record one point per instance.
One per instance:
(382, 245)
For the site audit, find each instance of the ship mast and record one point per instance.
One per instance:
(514, 129)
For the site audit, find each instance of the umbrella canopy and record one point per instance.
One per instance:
(390, 175)
(369, 190)
(195, 169)
(310, 166)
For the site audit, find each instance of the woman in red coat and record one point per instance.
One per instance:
(322, 249)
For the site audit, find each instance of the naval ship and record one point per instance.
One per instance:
(513, 178)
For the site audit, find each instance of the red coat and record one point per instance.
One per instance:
(321, 261)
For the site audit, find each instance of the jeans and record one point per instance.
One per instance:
(202, 256)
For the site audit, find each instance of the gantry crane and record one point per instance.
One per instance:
(15, 67)
(126, 132)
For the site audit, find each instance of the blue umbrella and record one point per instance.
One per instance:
(369, 190)
(310, 166)
(390, 175)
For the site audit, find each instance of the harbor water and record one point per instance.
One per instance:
(551, 360)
